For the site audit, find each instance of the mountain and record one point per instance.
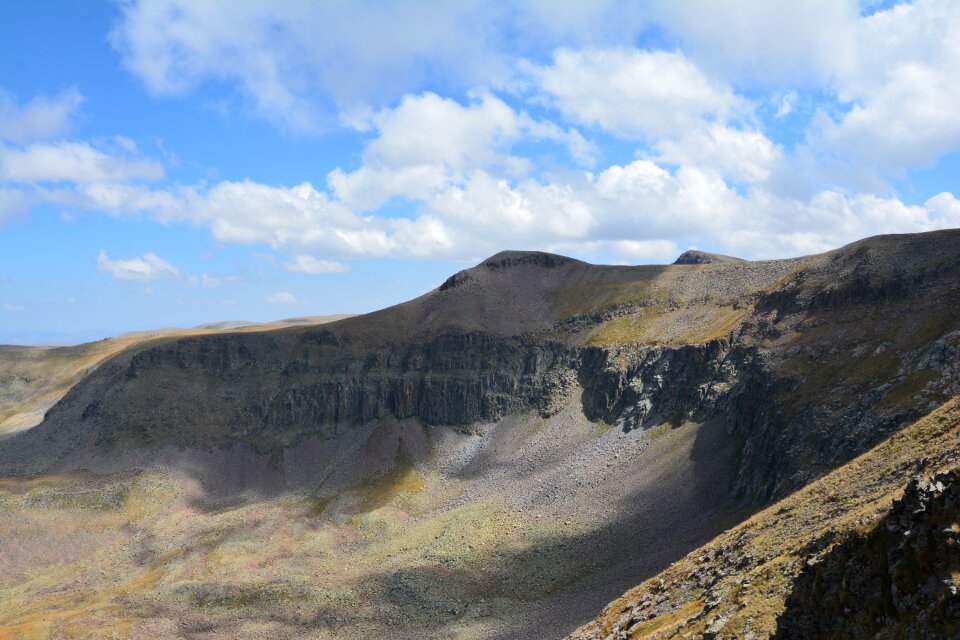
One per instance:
(498, 458)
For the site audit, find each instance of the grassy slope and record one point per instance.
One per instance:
(737, 584)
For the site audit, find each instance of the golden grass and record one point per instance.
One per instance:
(382, 491)
(666, 623)
(158, 559)
(691, 324)
(587, 297)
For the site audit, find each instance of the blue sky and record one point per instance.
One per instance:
(168, 163)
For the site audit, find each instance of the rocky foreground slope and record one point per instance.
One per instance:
(495, 459)
(856, 554)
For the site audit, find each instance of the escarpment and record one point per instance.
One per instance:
(806, 362)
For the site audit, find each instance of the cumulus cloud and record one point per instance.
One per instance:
(902, 92)
(146, 268)
(741, 154)
(461, 201)
(309, 264)
(40, 118)
(694, 162)
(634, 93)
(885, 82)
(428, 142)
(421, 143)
(252, 213)
(282, 297)
(428, 129)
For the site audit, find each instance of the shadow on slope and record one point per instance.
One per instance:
(487, 566)
(896, 579)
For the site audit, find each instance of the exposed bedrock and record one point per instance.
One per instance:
(270, 391)
(255, 389)
(639, 386)
(267, 391)
(896, 581)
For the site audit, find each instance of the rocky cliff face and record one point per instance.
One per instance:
(898, 581)
(268, 393)
(828, 356)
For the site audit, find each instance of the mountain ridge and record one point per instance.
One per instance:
(537, 432)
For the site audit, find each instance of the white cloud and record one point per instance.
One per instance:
(757, 41)
(13, 202)
(39, 119)
(309, 264)
(13, 308)
(292, 60)
(471, 176)
(786, 103)
(150, 267)
(282, 297)
(645, 250)
(640, 210)
(902, 91)
(146, 268)
(635, 93)
(428, 142)
(252, 213)
(741, 154)
(885, 82)
(209, 282)
(428, 129)
(76, 162)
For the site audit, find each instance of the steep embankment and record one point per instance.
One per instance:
(821, 563)
(807, 362)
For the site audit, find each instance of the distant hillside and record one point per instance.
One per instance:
(32, 379)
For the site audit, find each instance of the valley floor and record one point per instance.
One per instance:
(522, 528)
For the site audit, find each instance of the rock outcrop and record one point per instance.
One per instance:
(694, 256)
(897, 581)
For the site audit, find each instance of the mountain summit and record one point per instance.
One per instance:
(702, 257)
